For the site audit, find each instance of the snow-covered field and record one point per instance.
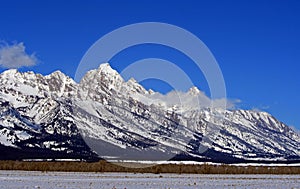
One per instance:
(25, 179)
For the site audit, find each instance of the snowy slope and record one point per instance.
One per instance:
(122, 120)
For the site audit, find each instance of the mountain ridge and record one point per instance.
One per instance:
(105, 116)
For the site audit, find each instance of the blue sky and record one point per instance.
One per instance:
(256, 43)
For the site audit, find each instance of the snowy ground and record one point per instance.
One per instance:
(25, 179)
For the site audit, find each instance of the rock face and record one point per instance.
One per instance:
(53, 117)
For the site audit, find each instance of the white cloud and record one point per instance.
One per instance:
(196, 101)
(261, 108)
(187, 100)
(14, 56)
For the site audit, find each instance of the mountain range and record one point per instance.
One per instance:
(104, 116)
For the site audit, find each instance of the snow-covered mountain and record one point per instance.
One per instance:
(54, 117)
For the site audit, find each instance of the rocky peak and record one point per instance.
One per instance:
(194, 91)
(134, 87)
(61, 84)
(10, 72)
(104, 77)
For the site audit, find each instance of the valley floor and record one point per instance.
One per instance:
(37, 179)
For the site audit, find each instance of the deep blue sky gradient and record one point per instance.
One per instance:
(256, 43)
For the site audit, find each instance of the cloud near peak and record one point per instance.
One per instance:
(15, 56)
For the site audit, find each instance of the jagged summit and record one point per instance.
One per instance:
(57, 74)
(194, 91)
(134, 87)
(9, 72)
(106, 68)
